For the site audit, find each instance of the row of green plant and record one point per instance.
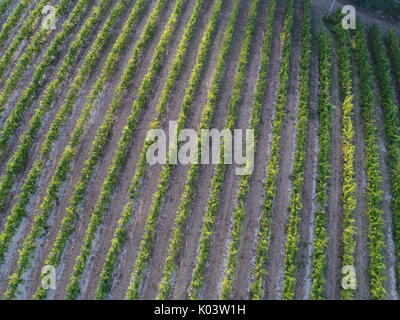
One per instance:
(29, 26)
(150, 229)
(122, 150)
(212, 98)
(259, 270)
(374, 212)
(120, 233)
(19, 159)
(52, 55)
(18, 212)
(392, 127)
(239, 211)
(12, 19)
(393, 47)
(90, 62)
(4, 6)
(189, 193)
(72, 211)
(176, 241)
(343, 51)
(296, 204)
(321, 238)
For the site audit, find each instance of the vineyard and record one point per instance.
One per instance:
(85, 215)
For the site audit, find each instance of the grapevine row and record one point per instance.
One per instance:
(18, 161)
(128, 211)
(296, 206)
(349, 182)
(52, 53)
(320, 243)
(212, 97)
(13, 19)
(392, 128)
(14, 219)
(259, 269)
(4, 6)
(121, 153)
(148, 238)
(220, 169)
(176, 241)
(393, 46)
(377, 266)
(27, 29)
(29, 187)
(72, 211)
(239, 211)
